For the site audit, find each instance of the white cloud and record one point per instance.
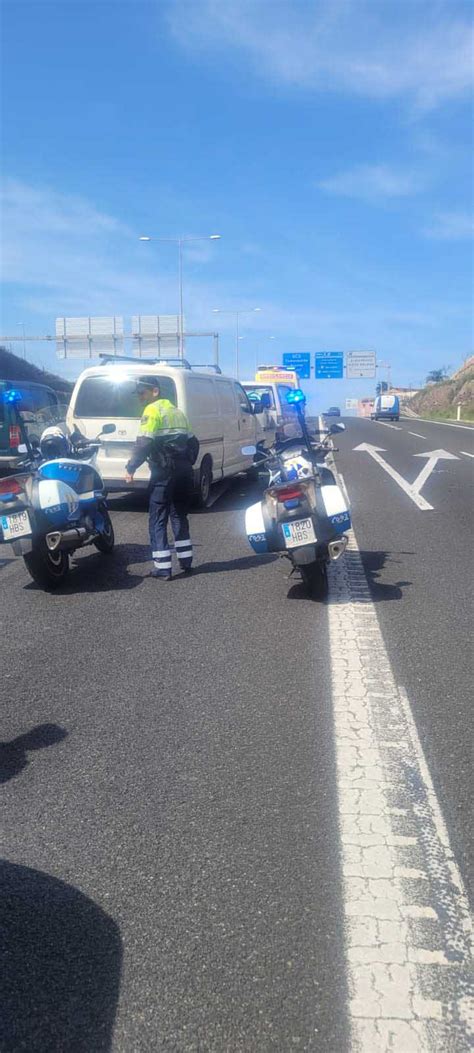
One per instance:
(451, 226)
(371, 182)
(420, 50)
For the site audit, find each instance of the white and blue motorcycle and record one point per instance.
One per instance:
(54, 503)
(303, 513)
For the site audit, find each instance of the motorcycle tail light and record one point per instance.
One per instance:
(288, 493)
(10, 485)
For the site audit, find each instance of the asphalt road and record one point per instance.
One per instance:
(169, 821)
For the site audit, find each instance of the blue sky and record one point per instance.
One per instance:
(328, 141)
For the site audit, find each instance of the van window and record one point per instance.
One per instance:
(225, 395)
(116, 396)
(242, 398)
(205, 394)
(262, 389)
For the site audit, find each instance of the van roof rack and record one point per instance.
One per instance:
(207, 365)
(108, 359)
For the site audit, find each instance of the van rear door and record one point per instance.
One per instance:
(111, 397)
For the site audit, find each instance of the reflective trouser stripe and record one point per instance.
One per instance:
(160, 565)
(184, 551)
(162, 555)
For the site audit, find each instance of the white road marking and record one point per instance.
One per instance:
(444, 423)
(466, 454)
(433, 457)
(408, 488)
(407, 925)
(385, 424)
(417, 435)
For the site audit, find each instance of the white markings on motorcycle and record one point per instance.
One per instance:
(407, 922)
(411, 489)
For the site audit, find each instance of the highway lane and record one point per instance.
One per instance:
(190, 796)
(179, 771)
(419, 566)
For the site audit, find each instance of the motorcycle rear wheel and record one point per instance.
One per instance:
(106, 541)
(48, 569)
(315, 580)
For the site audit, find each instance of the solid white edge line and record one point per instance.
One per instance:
(445, 423)
(409, 988)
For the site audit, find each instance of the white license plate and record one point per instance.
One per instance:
(16, 525)
(300, 532)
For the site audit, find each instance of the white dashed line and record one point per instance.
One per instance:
(417, 435)
(466, 454)
(385, 424)
(407, 924)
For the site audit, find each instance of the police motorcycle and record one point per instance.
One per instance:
(303, 513)
(55, 502)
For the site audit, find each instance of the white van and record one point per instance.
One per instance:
(278, 419)
(217, 407)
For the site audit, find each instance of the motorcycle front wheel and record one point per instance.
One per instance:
(315, 579)
(106, 541)
(48, 569)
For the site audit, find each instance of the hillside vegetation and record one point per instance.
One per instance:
(14, 368)
(441, 400)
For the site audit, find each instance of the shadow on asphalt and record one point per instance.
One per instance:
(374, 562)
(14, 754)
(60, 981)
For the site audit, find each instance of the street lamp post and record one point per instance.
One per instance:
(22, 324)
(236, 315)
(179, 241)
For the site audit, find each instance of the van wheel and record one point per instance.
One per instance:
(205, 482)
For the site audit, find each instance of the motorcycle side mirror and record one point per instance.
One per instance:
(249, 451)
(22, 448)
(108, 429)
(337, 427)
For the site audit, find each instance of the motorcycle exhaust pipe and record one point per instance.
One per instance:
(63, 539)
(337, 548)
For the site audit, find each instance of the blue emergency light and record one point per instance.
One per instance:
(12, 396)
(295, 397)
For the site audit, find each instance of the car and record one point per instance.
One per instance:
(220, 414)
(37, 406)
(333, 411)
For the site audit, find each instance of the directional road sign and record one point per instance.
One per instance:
(360, 364)
(352, 403)
(300, 361)
(329, 365)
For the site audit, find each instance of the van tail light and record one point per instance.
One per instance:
(15, 436)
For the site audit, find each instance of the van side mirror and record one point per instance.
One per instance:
(266, 401)
(256, 405)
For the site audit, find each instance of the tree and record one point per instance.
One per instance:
(381, 387)
(437, 375)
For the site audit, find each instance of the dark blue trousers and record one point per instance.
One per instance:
(169, 502)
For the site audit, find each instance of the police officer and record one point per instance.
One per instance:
(164, 439)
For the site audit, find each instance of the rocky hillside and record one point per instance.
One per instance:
(441, 400)
(14, 368)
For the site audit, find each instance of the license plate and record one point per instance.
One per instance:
(16, 525)
(299, 533)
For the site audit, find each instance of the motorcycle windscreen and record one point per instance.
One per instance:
(255, 528)
(336, 508)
